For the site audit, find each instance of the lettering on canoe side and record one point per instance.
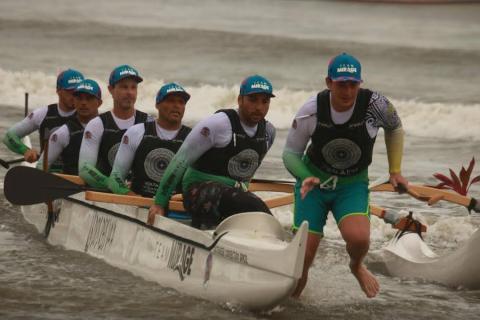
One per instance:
(181, 258)
(162, 251)
(231, 254)
(101, 233)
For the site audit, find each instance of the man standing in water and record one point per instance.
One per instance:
(102, 135)
(46, 119)
(332, 175)
(219, 157)
(147, 148)
(65, 141)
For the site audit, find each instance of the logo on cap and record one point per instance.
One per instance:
(175, 89)
(169, 88)
(85, 86)
(68, 79)
(256, 84)
(260, 85)
(127, 71)
(74, 80)
(347, 68)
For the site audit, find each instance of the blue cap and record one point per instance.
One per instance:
(256, 84)
(89, 86)
(170, 88)
(69, 79)
(122, 72)
(345, 67)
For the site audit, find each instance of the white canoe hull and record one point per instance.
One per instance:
(409, 257)
(250, 266)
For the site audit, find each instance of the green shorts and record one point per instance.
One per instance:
(345, 200)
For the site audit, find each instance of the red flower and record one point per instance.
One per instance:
(459, 183)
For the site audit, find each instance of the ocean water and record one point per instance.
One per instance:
(423, 57)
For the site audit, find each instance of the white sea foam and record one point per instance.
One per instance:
(435, 120)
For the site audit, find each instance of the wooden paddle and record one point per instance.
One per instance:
(433, 195)
(175, 204)
(26, 186)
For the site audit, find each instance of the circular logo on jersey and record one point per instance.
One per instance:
(244, 164)
(157, 162)
(341, 153)
(112, 153)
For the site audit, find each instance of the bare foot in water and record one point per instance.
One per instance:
(367, 281)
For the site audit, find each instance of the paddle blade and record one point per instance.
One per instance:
(26, 185)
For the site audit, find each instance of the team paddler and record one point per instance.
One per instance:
(65, 142)
(147, 148)
(45, 119)
(341, 122)
(219, 157)
(103, 133)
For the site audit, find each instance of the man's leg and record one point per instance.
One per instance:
(313, 241)
(355, 231)
(211, 202)
(313, 208)
(352, 214)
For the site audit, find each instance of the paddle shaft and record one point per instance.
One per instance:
(433, 195)
(26, 104)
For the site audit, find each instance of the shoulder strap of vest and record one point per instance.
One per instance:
(52, 109)
(73, 122)
(361, 105)
(108, 121)
(234, 119)
(323, 105)
(183, 133)
(150, 128)
(364, 96)
(140, 117)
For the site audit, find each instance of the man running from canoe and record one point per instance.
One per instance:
(46, 119)
(341, 123)
(147, 148)
(219, 157)
(65, 142)
(103, 134)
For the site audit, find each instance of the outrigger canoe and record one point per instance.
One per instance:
(247, 253)
(408, 256)
(246, 261)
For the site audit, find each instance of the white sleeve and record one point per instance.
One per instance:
(126, 152)
(213, 132)
(302, 127)
(58, 141)
(220, 129)
(92, 136)
(31, 123)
